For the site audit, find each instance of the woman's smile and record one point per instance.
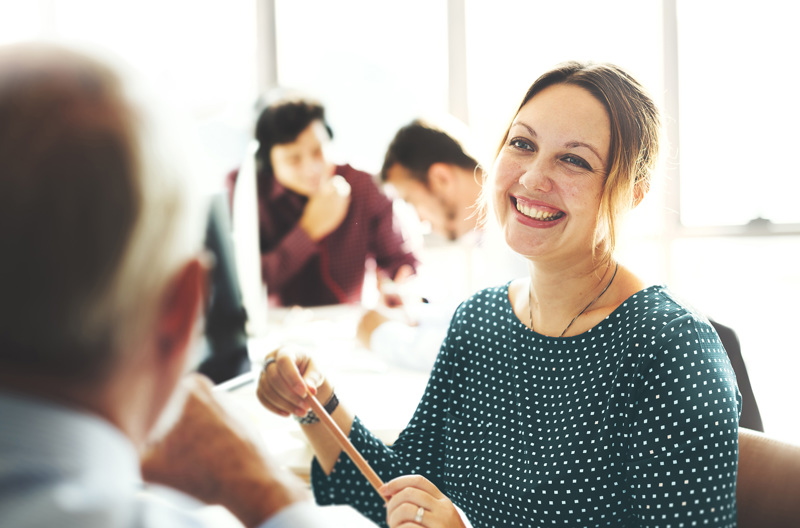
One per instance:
(537, 211)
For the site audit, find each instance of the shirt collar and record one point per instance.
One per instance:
(41, 434)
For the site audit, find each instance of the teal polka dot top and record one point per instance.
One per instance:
(632, 423)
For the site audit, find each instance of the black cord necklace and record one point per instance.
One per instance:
(530, 302)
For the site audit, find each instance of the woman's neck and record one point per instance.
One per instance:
(556, 295)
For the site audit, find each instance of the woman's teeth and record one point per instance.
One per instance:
(537, 214)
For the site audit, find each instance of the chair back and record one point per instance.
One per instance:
(768, 483)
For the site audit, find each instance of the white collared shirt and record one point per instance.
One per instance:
(67, 468)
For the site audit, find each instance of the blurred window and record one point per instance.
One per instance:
(739, 111)
(374, 65)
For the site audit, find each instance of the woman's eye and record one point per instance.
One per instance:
(521, 143)
(578, 162)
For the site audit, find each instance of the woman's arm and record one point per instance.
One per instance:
(684, 431)
(418, 450)
(288, 250)
(287, 257)
(335, 479)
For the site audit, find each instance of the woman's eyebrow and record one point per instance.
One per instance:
(573, 144)
(531, 131)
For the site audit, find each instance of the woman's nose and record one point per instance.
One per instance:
(314, 169)
(536, 176)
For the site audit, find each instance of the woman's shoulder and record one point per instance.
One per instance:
(484, 314)
(491, 294)
(658, 299)
(659, 314)
(486, 301)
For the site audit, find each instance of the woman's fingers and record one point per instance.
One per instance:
(415, 501)
(405, 506)
(271, 399)
(419, 482)
(282, 385)
(408, 514)
(290, 369)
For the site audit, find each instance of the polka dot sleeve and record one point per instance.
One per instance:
(684, 430)
(418, 450)
(632, 423)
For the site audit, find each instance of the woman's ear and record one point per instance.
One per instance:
(640, 188)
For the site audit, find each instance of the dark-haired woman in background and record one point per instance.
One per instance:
(319, 222)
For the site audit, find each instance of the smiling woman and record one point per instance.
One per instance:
(534, 415)
(597, 135)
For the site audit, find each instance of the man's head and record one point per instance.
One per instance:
(96, 226)
(433, 172)
(292, 134)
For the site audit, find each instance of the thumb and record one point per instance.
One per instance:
(340, 185)
(313, 380)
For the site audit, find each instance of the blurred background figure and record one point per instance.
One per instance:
(431, 167)
(103, 286)
(432, 170)
(320, 224)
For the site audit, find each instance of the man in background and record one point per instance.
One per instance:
(434, 171)
(101, 289)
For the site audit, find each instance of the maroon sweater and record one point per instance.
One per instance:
(299, 271)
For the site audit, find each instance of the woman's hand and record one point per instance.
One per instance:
(288, 375)
(326, 209)
(414, 501)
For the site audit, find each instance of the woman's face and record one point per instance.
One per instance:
(549, 174)
(301, 165)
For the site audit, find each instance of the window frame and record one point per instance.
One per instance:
(674, 226)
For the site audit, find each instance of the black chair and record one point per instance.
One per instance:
(751, 417)
(225, 332)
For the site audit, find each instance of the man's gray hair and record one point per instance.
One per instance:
(95, 211)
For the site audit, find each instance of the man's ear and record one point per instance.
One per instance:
(441, 178)
(181, 309)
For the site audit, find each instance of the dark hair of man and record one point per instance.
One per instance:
(281, 122)
(418, 145)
